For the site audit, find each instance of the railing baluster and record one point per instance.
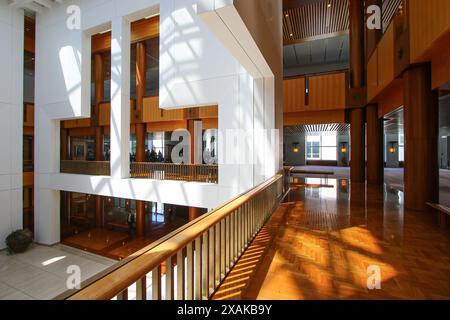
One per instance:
(222, 250)
(198, 269)
(156, 283)
(227, 244)
(123, 295)
(212, 261)
(205, 266)
(169, 280)
(217, 256)
(190, 271)
(141, 288)
(180, 276)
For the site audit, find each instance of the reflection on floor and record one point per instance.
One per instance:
(393, 177)
(320, 243)
(116, 244)
(41, 272)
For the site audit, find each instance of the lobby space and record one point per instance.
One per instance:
(41, 272)
(321, 240)
(393, 178)
(116, 228)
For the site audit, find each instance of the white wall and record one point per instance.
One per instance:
(11, 119)
(196, 68)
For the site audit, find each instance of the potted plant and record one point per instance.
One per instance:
(19, 241)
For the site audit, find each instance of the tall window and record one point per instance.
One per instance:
(401, 147)
(321, 146)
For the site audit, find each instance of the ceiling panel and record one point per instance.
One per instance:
(312, 21)
(342, 128)
(306, 20)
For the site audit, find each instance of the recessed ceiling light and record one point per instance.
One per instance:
(291, 35)
(329, 5)
(286, 15)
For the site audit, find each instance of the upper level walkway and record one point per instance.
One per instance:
(320, 242)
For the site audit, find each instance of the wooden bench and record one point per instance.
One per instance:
(443, 212)
(313, 172)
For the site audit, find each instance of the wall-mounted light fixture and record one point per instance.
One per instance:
(295, 147)
(392, 147)
(344, 147)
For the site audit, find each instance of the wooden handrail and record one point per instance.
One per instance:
(155, 255)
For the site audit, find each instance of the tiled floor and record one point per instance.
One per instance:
(321, 241)
(40, 273)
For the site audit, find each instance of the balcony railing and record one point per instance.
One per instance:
(191, 262)
(28, 166)
(170, 171)
(92, 168)
(146, 170)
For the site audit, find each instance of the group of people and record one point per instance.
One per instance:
(150, 156)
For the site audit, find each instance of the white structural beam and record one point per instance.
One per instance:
(34, 5)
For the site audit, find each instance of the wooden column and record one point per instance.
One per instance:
(99, 81)
(358, 163)
(357, 57)
(375, 128)
(140, 218)
(194, 213)
(357, 66)
(98, 211)
(375, 163)
(421, 110)
(140, 93)
(99, 78)
(64, 144)
(141, 77)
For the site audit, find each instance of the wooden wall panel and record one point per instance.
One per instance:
(294, 94)
(28, 120)
(208, 112)
(372, 76)
(101, 42)
(429, 20)
(145, 29)
(391, 99)
(28, 179)
(327, 92)
(166, 126)
(210, 123)
(314, 117)
(386, 58)
(78, 123)
(82, 132)
(441, 64)
(105, 114)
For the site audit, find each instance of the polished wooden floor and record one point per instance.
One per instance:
(321, 241)
(116, 244)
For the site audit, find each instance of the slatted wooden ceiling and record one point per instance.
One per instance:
(315, 20)
(319, 19)
(316, 128)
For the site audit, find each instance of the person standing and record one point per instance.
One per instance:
(130, 221)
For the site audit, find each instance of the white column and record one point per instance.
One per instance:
(120, 98)
(46, 200)
(11, 119)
